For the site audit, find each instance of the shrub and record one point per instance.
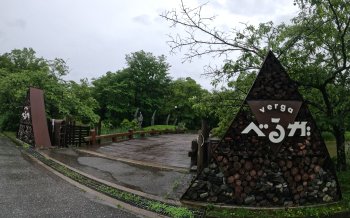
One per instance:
(181, 125)
(126, 124)
(347, 136)
(328, 136)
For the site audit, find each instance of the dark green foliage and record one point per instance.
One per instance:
(112, 94)
(179, 102)
(126, 124)
(148, 82)
(21, 69)
(143, 84)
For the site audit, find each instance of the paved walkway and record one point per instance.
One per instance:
(168, 149)
(28, 190)
(167, 184)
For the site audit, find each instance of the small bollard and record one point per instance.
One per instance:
(93, 136)
(131, 133)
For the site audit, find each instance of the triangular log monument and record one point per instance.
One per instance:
(272, 155)
(33, 128)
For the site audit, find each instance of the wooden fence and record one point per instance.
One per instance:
(63, 134)
(94, 139)
(75, 134)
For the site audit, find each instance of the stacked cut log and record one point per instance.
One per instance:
(246, 169)
(244, 173)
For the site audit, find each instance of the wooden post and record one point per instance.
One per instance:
(193, 153)
(205, 130)
(80, 129)
(199, 158)
(93, 136)
(73, 134)
(200, 154)
(131, 134)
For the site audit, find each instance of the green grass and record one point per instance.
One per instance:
(155, 127)
(160, 127)
(173, 211)
(105, 131)
(328, 136)
(13, 137)
(347, 136)
(332, 148)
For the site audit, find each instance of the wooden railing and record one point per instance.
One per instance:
(94, 139)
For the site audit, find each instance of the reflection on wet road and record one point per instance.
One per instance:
(164, 183)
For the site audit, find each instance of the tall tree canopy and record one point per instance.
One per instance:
(314, 48)
(149, 80)
(143, 84)
(181, 95)
(21, 69)
(112, 92)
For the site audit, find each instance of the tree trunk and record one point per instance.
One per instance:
(206, 151)
(99, 126)
(339, 134)
(338, 131)
(205, 129)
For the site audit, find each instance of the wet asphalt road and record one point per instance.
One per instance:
(29, 190)
(164, 183)
(167, 149)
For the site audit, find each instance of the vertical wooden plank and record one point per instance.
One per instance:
(200, 154)
(131, 134)
(80, 130)
(93, 136)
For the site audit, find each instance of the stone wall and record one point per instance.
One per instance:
(251, 170)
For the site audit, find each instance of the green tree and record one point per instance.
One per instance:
(21, 69)
(148, 81)
(82, 104)
(112, 92)
(182, 91)
(314, 48)
(219, 106)
(143, 84)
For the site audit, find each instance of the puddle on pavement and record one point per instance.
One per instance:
(169, 149)
(167, 184)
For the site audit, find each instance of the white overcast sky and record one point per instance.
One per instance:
(94, 36)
